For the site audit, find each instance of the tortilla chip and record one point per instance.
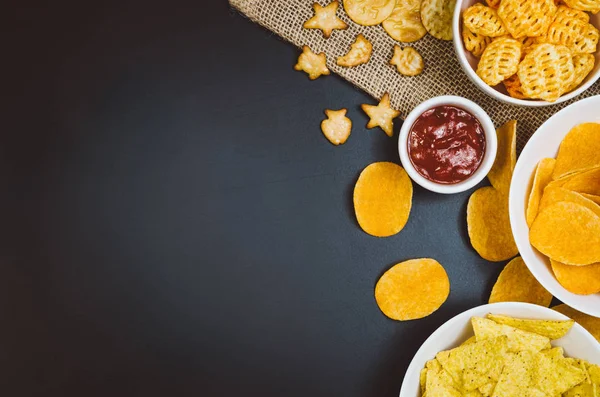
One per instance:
(543, 176)
(555, 194)
(439, 383)
(558, 233)
(412, 289)
(556, 375)
(489, 225)
(552, 329)
(488, 389)
(517, 284)
(581, 280)
(516, 378)
(506, 157)
(555, 352)
(383, 199)
(592, 324)
(579, 150)
(518, 340)
(472, 339)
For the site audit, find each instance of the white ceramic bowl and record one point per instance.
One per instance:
(469, 64)
(488, 157)
(545, 143)
(577, 343)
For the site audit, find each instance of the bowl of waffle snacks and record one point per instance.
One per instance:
(529, 52)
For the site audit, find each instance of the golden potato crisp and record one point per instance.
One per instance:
(336, 127)
(527, 17)
(483, 20)
(475, 364)
(527, 45)
(592, 197)
(314, 65)
(412, 289)
(513, 87)
(553, 195)
(493, 3)
(568, 233)
(518, 340)
(583, 64)
(579, 150)
(542, 176)
(581, 280)
(506, 157)
(382, 199)
(360, 52)
(592, 6)
(369, 12)
(546, 72)
(499, 60)
(436, 16)
(517, 284)
(488, 225)
(592, 324)
(325, 19)
(407, 61)
(552, 329)
(381, 115)
(564, 13)
(579, 36)
(405, 22)
(475, 43)
(587, 182)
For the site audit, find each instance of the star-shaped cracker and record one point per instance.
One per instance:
(325, 19)
(381, 115)
(313, 64)
(336, 127)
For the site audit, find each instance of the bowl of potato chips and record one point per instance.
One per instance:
(529, 52)
(554, 205)
(506, 349)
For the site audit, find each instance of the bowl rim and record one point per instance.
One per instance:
(556, 290)
(490, 307)
(464, 63)
(490, 150)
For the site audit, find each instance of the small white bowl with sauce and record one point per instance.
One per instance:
(474, 176)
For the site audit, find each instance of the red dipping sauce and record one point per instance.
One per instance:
(446, 144)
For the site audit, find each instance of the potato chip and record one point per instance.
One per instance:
(499, 60)
(483, 20)
(592, 197)
(382, 199)
(592, 6)
(542, 176)
(325, 19)
(552, 329)
(405, 22)
(527, 44)
(336, 127)
(381, 115)
(582, 182)
(506, 157)
(581, 280)
(493, 3)
(527, 17)
(488, 225)
(436, 16)
(546, 72)
(516, 284)
(475, 43)
(369, 12)
(591, 324)
(360, 53)
(580, 37)
(554, 195)
(583, 63)
(564, 13)
(474, 365)
(518, 340)
(314, 65)
(579, 150)
(557, 232)
(513, 87)
(412, 289)
(407, 61)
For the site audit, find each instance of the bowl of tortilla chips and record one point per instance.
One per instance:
(554, 205)
(506, 349)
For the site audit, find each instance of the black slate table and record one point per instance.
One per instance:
(175, 224)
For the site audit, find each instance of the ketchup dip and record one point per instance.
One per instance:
(446, 144)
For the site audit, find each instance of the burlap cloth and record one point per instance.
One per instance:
(443, 74)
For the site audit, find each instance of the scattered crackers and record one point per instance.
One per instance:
(381, 115)
(315, 65)
(325, 19)
(407, 61)
(336, 127)
(360, 52)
